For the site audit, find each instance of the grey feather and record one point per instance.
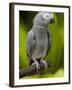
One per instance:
(49, 42)
(30, 42)
(39, 37)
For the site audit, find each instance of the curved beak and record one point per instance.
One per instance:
(52, 20)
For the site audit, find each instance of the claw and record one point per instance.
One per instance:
(45, 63)
(37, 65)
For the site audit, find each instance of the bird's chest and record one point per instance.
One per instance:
(41, 38)
(41, 43)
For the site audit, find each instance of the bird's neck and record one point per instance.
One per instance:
(41, 27)
(42, 30)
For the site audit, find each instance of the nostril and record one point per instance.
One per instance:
(52, 20)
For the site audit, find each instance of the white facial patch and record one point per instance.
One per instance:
(46, 16)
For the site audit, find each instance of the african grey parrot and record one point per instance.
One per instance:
(39, 39)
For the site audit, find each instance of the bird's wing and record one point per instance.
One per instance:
(30, 42)
(49, 41)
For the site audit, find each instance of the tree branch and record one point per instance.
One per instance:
(32, 70)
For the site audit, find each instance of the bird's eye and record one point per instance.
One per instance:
(45, 16)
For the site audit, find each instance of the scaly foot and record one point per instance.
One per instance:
(45, 63)
(37, 65)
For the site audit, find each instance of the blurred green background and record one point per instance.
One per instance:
(56, 54)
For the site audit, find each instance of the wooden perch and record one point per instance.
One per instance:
(31, 70)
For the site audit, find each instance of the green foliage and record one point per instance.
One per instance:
(56, 54)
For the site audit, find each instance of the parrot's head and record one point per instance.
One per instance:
(43, 18)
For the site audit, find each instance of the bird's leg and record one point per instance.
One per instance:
(37, 64)
(44, 63)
